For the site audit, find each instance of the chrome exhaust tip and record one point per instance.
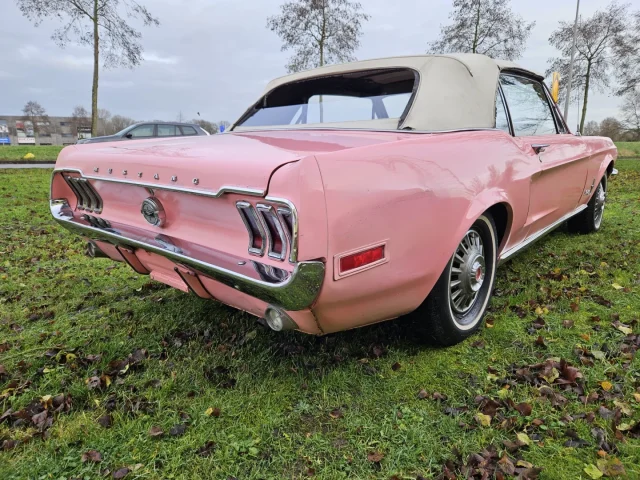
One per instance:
(93, 251)
(278, 320)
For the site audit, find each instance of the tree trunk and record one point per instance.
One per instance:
(475, 33)
(96, 66)
(586, 97)
(322, 38)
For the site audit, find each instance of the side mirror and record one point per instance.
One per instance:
(128, 135)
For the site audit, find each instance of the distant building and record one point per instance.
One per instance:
(17, 130)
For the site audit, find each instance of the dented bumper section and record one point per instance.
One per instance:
(295, 290)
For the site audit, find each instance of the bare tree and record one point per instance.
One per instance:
(595, 38)
(612, 128)
(483, 26)
(592, 128)
(631, 111)
(97, 23)
(35, 113)
(79, 116)
(210, 127)
(104, 116)
(118, 122)
(319, 32)
(627, 56)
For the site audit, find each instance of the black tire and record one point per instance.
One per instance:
(590, 219)
(444, 320)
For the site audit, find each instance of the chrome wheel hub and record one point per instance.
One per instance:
(598, 210)
(468, 272)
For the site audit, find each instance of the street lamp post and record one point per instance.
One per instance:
(573, 54)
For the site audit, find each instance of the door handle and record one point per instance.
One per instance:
(539, 147)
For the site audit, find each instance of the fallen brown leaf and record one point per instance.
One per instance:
(91, 456)
(121, 473)
(375, 457)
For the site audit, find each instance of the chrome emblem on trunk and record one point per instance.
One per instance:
(153, 212)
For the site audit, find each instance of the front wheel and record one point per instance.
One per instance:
(456, 305)
(590, 219)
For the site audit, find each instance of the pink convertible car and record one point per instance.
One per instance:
(347, 195)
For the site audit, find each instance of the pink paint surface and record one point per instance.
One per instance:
(415, 193)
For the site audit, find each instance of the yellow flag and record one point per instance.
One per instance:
(555, 86)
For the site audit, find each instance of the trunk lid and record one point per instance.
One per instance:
(212, 163)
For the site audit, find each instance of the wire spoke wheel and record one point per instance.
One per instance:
(467, 273)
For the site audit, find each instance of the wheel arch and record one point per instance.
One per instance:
(610, 168)
(496, 203)
(502, 215)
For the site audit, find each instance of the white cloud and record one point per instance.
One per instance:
(28, 52)
(117, 83)
(168, 83)
(156, 58)
(39, 90)
(72, 61)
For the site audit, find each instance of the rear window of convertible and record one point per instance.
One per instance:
(348, 97)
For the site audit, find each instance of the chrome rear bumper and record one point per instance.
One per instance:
(295, 290)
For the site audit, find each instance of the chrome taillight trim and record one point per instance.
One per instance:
(86, 196)
(80, 205)
(293, 245)
(94, 198)
(286, 220)
(245, 209)
(268, 212)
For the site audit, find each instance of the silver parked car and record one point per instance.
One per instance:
(139, 131)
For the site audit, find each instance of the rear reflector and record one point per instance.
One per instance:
(361, 259)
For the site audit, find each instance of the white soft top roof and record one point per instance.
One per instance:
(455, 91)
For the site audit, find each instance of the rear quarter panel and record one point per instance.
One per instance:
(419, 195)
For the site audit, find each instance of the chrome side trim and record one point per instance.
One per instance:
(194, 191)
(293, 249)
(242, 130)
(297, 292)
(508, 254)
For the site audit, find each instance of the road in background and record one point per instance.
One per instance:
(27, 165)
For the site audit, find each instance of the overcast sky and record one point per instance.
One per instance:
(215, 57)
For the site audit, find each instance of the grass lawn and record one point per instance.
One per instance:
(104, 370)
(628, 149)
(14, 153)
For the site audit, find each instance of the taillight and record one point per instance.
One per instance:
(254, 228)
(361, 259)
(271, 229)
(275, 234)
(87, 197)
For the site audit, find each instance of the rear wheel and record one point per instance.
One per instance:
(456, 305)
(590, 219)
